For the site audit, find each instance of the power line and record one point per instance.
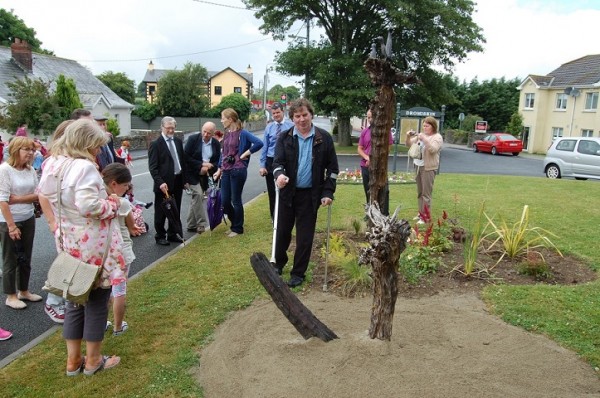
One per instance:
(178, 55)
(224, 5)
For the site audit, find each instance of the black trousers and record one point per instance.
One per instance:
(303, 215)
(385, 206)
(270, 180)
(159, 214)
(16, 264)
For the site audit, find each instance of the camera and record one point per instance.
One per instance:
(230, 159)
(412, 133)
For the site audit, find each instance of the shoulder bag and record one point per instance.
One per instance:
(68, 276)
(414, 152)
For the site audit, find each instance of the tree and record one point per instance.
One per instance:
(426, 33)
(12, 27)
(291, 93)
(66, 96)
(112, 126)
(146, 111)
(183, 93)
(515, 126)
(120, 84)
(237, 102)
(31, 103)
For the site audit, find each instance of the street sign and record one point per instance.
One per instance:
(461, 117)
(481, 126)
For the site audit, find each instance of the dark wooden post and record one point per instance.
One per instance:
(299, 316)
(387, 235)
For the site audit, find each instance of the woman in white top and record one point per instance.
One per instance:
(18, 181)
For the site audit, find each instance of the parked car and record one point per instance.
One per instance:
(497, 143)
(577, 157)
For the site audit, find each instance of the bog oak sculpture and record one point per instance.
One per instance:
(387, 235)
(299, 316)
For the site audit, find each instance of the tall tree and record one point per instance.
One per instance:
(66, 96)
(31, 103)
(11, 27)
(237, 102)
(426, 33)
(183, 93)
(120, 84)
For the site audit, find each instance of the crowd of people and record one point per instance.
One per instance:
(84, 185)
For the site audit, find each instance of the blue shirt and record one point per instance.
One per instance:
(270, 139)
(206, 151)
(304, 174)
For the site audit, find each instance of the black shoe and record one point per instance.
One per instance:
(277, 269)
(192, 229)
(175, 239)
(148, 205)
(162, 242)
(295, 281)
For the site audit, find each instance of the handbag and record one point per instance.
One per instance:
(70, 277)
(37, 209)
(414, 152)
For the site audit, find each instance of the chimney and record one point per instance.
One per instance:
(150, 66)
(249, 69)
(21, 53)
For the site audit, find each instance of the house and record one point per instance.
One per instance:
(562, 103)
(19, 61)
(219, 84)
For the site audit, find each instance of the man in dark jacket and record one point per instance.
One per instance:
(202, 154)
(167, 166)
(305, 167)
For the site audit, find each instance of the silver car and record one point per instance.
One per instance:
(577, 157)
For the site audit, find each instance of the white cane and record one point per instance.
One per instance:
(276, 213)
(327, 245)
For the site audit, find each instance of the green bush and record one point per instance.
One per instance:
(146, 111)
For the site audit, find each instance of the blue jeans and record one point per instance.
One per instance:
(232, 185)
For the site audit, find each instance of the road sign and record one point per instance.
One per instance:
(481, 126)
(461, 117)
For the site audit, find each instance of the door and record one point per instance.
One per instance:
(587, 158)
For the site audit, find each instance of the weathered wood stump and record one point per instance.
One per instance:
(387, 237)
(299, 316)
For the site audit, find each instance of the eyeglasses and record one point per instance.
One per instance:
(28, 149)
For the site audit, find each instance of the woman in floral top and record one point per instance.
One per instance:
(86, 214)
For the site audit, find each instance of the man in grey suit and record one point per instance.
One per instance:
(167, 166)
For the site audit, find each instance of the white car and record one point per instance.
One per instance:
(577, 157)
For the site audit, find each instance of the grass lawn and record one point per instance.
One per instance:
(174, 308)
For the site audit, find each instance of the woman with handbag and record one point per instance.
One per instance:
(18, 181)
(430, 144)
(79, 213)
(237, 146)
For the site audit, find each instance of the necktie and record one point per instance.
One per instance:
(278, 130)
(174, 155)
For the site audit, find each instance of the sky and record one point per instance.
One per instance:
(522, 36)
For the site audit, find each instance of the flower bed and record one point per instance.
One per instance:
(355, 177)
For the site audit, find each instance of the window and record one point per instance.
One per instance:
(561, 101)
(529, 100)
(591, 101)
(237, 90)
(557, 132)
(587, 133)
(566, 145)
(218, 90)
(587, 147)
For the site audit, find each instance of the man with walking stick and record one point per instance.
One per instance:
(305, 168)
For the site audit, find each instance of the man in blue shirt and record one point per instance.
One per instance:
(305, 167)
(272, 131)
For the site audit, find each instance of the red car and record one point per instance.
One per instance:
(497, 143)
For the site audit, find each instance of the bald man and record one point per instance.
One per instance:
(202, 154)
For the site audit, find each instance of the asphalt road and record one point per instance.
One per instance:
(31, 324)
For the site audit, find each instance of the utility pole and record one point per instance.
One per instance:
(306, 82)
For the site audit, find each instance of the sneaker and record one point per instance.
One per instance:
(232, 234)
(57, 314)
(148, 205)
(124, 327)
(108, 325)
(5, 334)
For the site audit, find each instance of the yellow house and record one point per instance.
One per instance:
(220, 83)
(563, 103)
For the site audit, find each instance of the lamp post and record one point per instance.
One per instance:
(268, 116)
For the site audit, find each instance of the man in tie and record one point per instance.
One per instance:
(268, 151)
(167, 166)
(107, 153)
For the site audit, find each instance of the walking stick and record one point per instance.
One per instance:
(327, 245)
(276, 211)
